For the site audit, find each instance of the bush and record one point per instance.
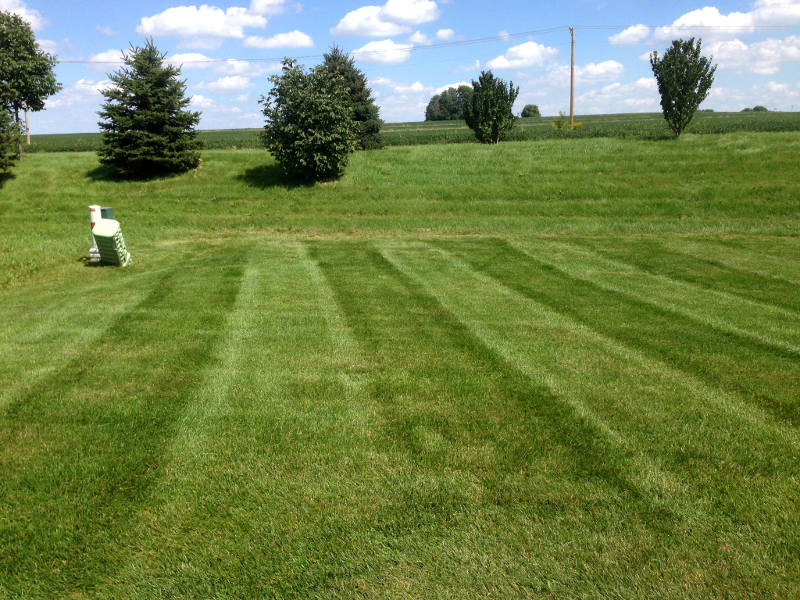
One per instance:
(684, 78)
(365, 111)
(145, 127)
(759, 108)
(9, 140)
(530, 110)
(309, 122)
(488, 112)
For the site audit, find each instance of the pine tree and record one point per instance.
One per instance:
(365, 111)
(488, 112)
(146, 129)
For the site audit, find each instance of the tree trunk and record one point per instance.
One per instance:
(19, 137)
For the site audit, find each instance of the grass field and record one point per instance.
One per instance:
(629, 125)
(564, 368)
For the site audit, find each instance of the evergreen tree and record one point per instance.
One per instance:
(9, 140)
(684, 77)
(365, 111)
(26, 71)
(309, 127)
(488, 113)
(146, 129)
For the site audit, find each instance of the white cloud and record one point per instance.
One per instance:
(292, 39)
(383, 51)
(763, 58)
(707, 23)
(48, 46)
(410, 12)
(632, 35)
(203, 27)
(591, 73)
(504, 35)
(106, 61)
(267, 7)
(82, 92)
(367, 21)
(394, 18)
(105, 30)
(419, 38)
(17, 7)
(641, 95)
(199, 102)
(231, 83)
(190, 60)
(246, 68)
(525, 55)
(445, 34)
(776, 12)
(456, 85)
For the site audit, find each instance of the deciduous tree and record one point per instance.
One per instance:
(684, 77)
(9, 140)
(530, 110)
(26, 71)
(488, 112)
(146, 127)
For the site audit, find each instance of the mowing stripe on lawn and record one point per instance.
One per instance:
(765, 323)
(654, 256)
(729, 479)
(760, 373)
(777, 258)
(82, 447)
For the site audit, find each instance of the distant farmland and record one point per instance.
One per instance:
(630, 125)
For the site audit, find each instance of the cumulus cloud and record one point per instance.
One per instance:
(445, 34)
(393, 18)
(763, 58)
(82, 92)
(230, 83)
(49, 46)
(201, 27)
(420, 39)
(776, 12)
(199, 102)
(456, 85)
(267, 7)
(708, 23)
(632, 35)
(591, 73)
(529, 54)
(641, 95)
(17, 7)
(291, 39)
(384, 52)
(191, 60)
(106, 61)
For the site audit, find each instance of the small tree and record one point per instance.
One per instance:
(530, 110)
(26, 71)
(488, 112)
(9, 140)
(365, 111)
(684, 78)
(146, 129)
(309, 128)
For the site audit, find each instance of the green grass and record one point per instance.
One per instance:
(646, 126)
(563, 368)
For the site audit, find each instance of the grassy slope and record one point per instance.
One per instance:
(543, 369)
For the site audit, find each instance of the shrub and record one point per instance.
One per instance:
(488, 112)
(145, 127)
(365, 111)
(684, 78)
(530, 110)
(759, 108)
(309, 122)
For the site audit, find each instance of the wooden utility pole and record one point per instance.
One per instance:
(27, 124)
(572, 82)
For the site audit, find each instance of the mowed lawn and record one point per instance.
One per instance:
(562, 369)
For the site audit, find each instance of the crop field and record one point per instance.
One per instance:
(544, 369)
(630, 125)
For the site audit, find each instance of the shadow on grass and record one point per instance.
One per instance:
(5, 177)
(269, 176)
(106, 173)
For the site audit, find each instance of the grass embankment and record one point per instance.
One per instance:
(551, 369)
(628, 125)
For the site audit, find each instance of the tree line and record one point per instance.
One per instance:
(314, 119)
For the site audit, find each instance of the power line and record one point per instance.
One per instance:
(469, 42)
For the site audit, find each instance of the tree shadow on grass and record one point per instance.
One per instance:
(269, 176)
(5, 177)
(106, 173)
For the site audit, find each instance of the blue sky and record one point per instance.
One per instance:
(411, 49)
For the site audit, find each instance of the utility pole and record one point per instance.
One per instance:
(27, 124)
(572, 82)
